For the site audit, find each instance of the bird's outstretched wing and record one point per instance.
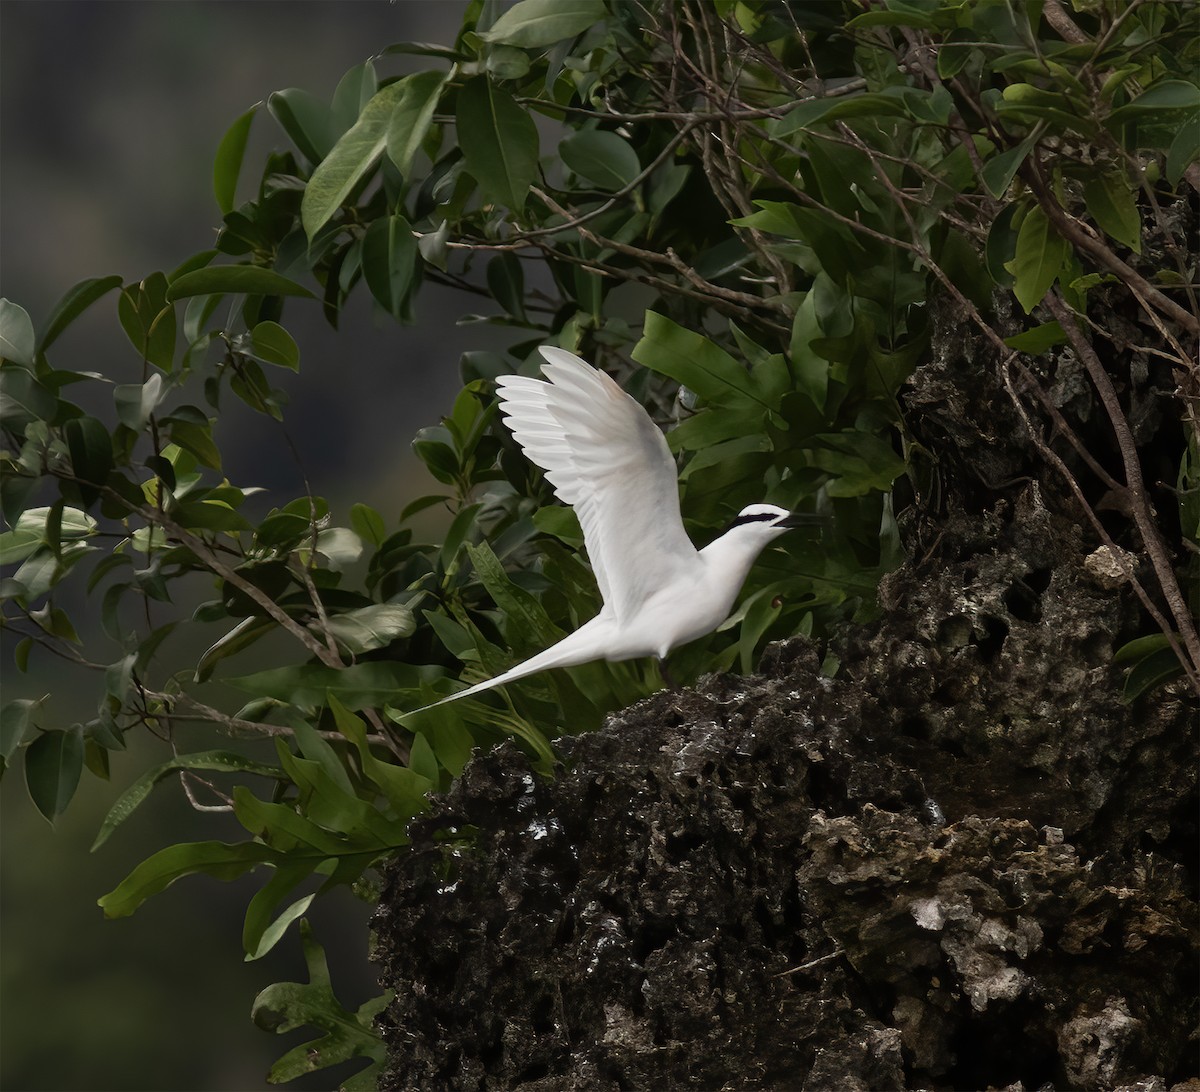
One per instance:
(606, 458)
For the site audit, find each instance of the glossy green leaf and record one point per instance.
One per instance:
(532, 24)
(17, 341)
(368, 524)
(999, 170)
(389, 262)
(524, 615)
(812, 112)
(16, 721)
(350, 159)
(1167, 97)
(30, 532)
(371, 627)
(229, 279)
(53, 764)
(499, 140)
(354, 90)
(1153, 662)
(694, 361)
(73, 304)
(412, 116)
(344, 1035)
(242, 636)
(221, 860)
(423, 761)
(1039, 256)
(260, 938)
(18, 544)
(1038, 339)
(91, 455)
(1110, 202)
(219, 761)
(306, 119)
(23, 398)
(358, 687)
(135, 402)
(404, 788)
(602, 157)
(1184, 151)
(227, 164)
(274, 345)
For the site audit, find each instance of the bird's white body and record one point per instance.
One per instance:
(606, 458)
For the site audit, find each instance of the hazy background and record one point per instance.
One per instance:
(110, 113)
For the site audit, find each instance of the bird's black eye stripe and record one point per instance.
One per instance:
(754, 517)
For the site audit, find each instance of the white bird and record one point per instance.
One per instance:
(608, 460)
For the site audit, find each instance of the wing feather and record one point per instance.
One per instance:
(609, 461)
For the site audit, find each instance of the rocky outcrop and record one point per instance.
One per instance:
(957, 863)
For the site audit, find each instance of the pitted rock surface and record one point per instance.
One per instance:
(953, 865)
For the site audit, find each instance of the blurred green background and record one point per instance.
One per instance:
(109, 116)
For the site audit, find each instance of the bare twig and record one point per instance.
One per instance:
(1135, 488)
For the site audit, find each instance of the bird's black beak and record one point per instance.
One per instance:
(803, 519)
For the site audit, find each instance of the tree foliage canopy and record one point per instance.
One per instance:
(754, 201)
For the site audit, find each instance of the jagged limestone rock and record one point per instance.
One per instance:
(954, 865)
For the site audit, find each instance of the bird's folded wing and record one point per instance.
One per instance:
(606, 458)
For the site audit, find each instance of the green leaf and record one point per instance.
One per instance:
(1110, 202)
(371, 627)
(412, 116)
(220, 860)
(524, 615)
(286, 1006)
(91, 455)
(359, 686)
(1153, 663)
(16, 718)
(1164, 97)
(350, 159)
(306, 119)
(244, 634)
(227, 164)
(73, 304)
(809, 113)
(23, 399)
(17, 342)
(368, 524)
(19, 543)
(247, 279)
(258, 943)
(1184, 151)
(283, 828)
(354, 91)
(1038, 339)
(131, 798)
(274, 345)
(135, 402)
(404, 788)
(903, 17)
(1040, 254)
(53, 764)
(532, 24)
(694, 361)
(498, 140)
(30, 532)
(389, 262)
(423, 761)
(601, 157)
(999, 170)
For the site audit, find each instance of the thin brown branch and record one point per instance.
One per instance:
(1118, 555)
(1139, 501)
